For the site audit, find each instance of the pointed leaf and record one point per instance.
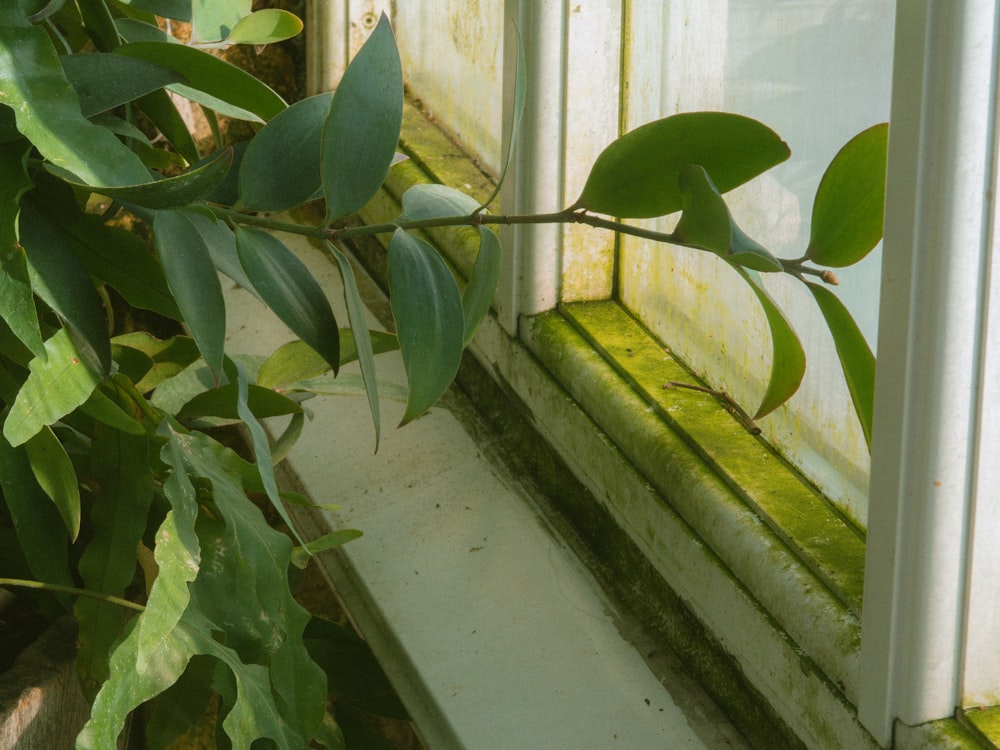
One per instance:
(788, 363)
(56, 385)
(209, 75)
(856, 358)
(59, 278)
(265, 27)
(433, 201)
(637, 175)
(41, 530)
(170, 192)
(179, 10)
(17, 304)
(362, 130)
(221, 402)
(289, 289)
(430, 322)
(221, 244)
(103, 81)
(517, 112)
(169, 357)
(707, 224)
(482, 286)
(162, 112)
(850, 201)
(281, 167)
(296, 361)
(194, 282)
(47, 111)
(56, 476)
(358, 316)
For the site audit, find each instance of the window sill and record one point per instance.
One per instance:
(724, 529)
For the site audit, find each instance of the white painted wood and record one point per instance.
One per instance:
(817, 73)
(930, 641)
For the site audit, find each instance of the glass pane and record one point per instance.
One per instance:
(818, 72)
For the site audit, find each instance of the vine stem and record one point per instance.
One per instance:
(28, 584)
(571, 215)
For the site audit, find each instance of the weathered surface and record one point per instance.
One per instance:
(41, 706)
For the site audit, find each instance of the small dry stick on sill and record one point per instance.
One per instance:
(726, 400)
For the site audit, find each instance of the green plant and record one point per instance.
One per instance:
(119, 493)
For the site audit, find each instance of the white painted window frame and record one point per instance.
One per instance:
(932, 593)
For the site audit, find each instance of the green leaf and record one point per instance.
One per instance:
(281, 166)
(221, 402)
(637, 176)
(265, 27)
(194, 282)
(296, 361)
(41, 530)
(788, 363)
(214, 20)
(430, 321)
(358, 316)
(102, 408)
(208, 75)
(169, 357)
(169, 192)
(56, 476)
(856, 358)
(433, 201)
(47, 111)
(289, 289)
(123, 492)
(56, 385)
(179, 10)
(175, 711)
(221, 244)
(114, 255)
(162, 112)
(362, 129)
(59, 278)
(850, 202)
(103, 81)
(100, 25)
(482, 286)
(517, 113)
(707, 224)
(17, 304)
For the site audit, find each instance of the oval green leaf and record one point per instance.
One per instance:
(191, 276)
(290, 290)
(850, 202)
(707, 224)
(430, 323)
(637, 176)
(210, 76)
(103, 80)
(362, 129)
(170, 192)
(478, 295)
(222, 402)
(856, 358)
(265, 27)
(281, 166)
(788, 361)
(433, 201)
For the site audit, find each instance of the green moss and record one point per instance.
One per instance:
(986, 723)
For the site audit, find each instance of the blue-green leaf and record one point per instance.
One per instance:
(56, 385)
(190, 271)
(482, 286)
(430, 322)
(856, 358)
(637, 176)
(281, 167)
(433, 201)
(103, 80)
(788, 363)
(362, 130)
(211, 76)
(170, 192)
(34, 85)
(289, 289)
(850, 202)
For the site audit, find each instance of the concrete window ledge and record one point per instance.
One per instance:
(492, 630)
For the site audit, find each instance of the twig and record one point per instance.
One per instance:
(726, 400)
